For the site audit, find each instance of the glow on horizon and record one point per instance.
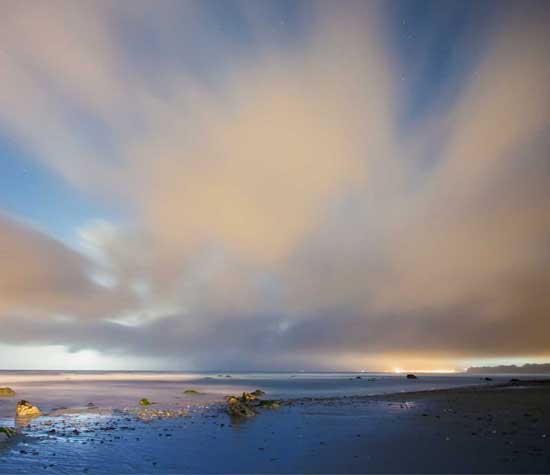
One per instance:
(443, 371)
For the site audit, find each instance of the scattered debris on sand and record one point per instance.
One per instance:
(149, 413)
(89, 409)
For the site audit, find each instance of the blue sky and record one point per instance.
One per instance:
(31, 192)
(334, 179)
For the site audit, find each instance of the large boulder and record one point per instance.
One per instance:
(7, 392)
(247, 404)
(239, 407)
(26, 409)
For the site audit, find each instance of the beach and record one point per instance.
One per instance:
(481, 427)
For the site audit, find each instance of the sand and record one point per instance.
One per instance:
(496, 429)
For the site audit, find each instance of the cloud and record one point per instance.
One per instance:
(42, 278)
(278, 206)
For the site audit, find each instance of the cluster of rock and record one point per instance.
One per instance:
(22, 409)
(245, 406)
(248, 403)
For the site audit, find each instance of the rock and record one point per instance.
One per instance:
(26, 409)
(190, 391)
(6, 433)
(269, 404)
(241, 410)
(246, 397)
(144, 402)
(488, 379)
(239, 407)
(412, 376)
(7, 392)
(246, 405)
(232, 399)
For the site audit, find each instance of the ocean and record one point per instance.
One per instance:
(319, 432)
(119, 389)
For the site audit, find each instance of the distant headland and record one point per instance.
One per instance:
(529, 368)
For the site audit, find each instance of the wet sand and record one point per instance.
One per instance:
(497, 429)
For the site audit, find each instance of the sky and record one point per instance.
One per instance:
(274, 185)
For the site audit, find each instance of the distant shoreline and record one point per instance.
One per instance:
(529, 368)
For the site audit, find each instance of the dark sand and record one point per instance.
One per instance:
(486, 430)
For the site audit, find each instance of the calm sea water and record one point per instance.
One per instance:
(117, 389)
